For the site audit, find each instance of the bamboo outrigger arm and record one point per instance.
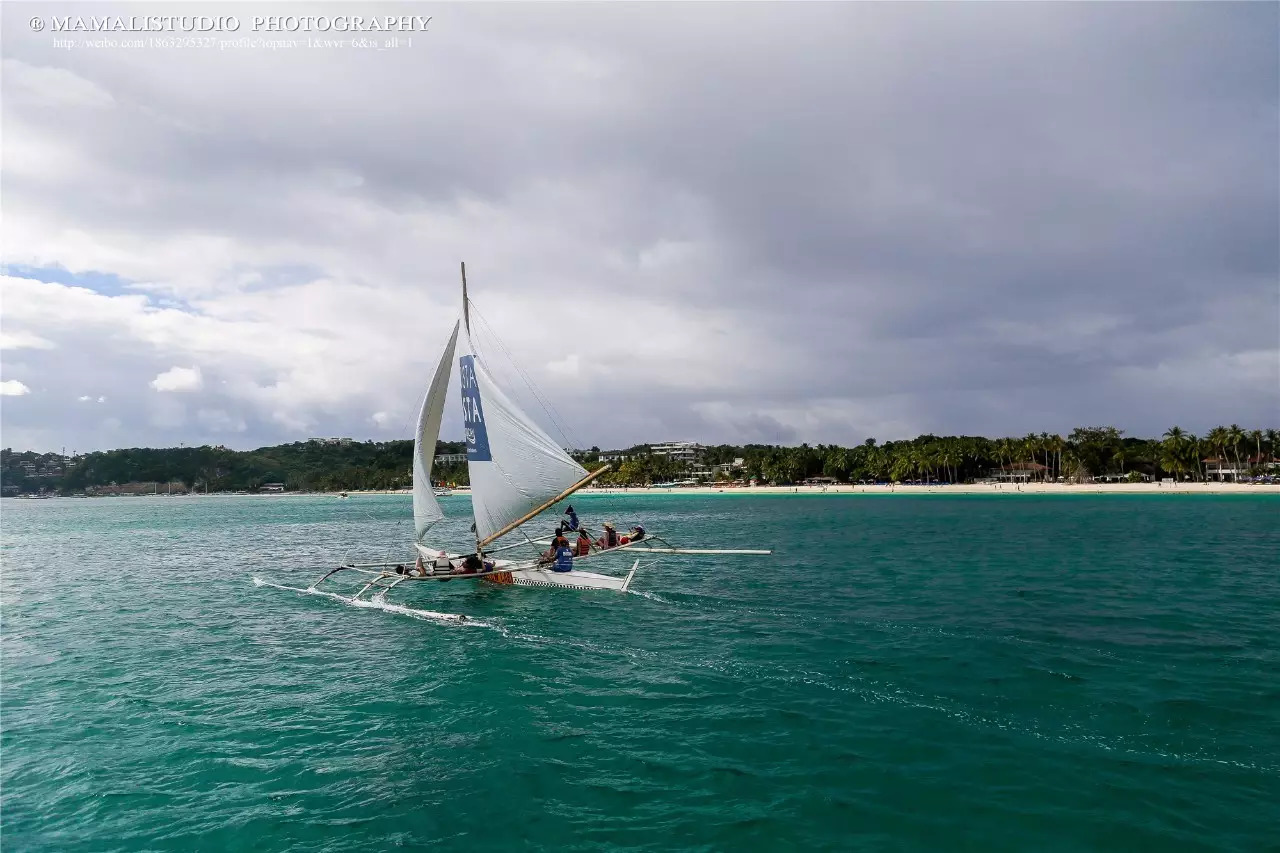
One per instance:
(522, 519)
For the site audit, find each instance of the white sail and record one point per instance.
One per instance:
(514, 466)
(426, 511)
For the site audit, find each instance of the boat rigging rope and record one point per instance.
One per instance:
(564, 431)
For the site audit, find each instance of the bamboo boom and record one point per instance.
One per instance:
(519, 521)
(700, 550)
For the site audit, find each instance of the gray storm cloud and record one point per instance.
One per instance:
(756, 222)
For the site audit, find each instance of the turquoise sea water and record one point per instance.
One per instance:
(907, 673)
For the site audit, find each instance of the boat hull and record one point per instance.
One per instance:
(571, 580)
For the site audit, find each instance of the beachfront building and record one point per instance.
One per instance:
(726, 468)
(1229, 470)
(1224, 469)
(1018, 472)
(614, 456)
(450, 458)
(272, 487)
(688, 452)
(341, 442)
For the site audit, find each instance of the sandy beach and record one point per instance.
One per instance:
(962, 489)
(967, 489)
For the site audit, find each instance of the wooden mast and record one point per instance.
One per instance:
(466, 305)
(466, 321)
(522, 519)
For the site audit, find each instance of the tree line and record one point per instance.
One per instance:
(301, 466)
(1085, 453)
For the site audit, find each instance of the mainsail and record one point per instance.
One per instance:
(426, 511)
(514, 466)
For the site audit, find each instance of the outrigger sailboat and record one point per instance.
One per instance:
(517, 473)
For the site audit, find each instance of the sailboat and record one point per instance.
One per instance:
(517, 472)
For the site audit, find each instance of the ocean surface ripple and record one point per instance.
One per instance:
(905, 673)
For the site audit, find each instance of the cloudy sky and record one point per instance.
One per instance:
(720, 222)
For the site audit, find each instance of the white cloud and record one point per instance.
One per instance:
(46, 87)
(181, 379)
(18, 339)
(13, 388)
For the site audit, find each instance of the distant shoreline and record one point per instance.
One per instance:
(779, 491)
(965, 489)
(959, 489)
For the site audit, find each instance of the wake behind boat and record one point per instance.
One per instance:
(517, 472)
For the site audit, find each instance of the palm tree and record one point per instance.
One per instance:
(1175, 440)
(1217, 439)
(1118, 456)
(1235, 435)
(1256, 435)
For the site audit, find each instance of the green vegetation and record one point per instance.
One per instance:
(1087, 453)
(301, 466)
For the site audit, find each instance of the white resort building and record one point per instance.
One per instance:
(448, 458)
(688, 452)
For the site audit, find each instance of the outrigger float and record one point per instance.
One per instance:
(517, 473)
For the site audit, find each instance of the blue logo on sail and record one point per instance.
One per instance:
(473, 430)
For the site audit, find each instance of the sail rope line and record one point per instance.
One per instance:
(547, 407)
(545, 404)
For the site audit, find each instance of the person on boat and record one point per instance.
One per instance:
(564, 557)
(608, 539)
(573, 519)
(557, 543)
(584, 543)
(472, 565)
(441, 566)
(636, 534)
